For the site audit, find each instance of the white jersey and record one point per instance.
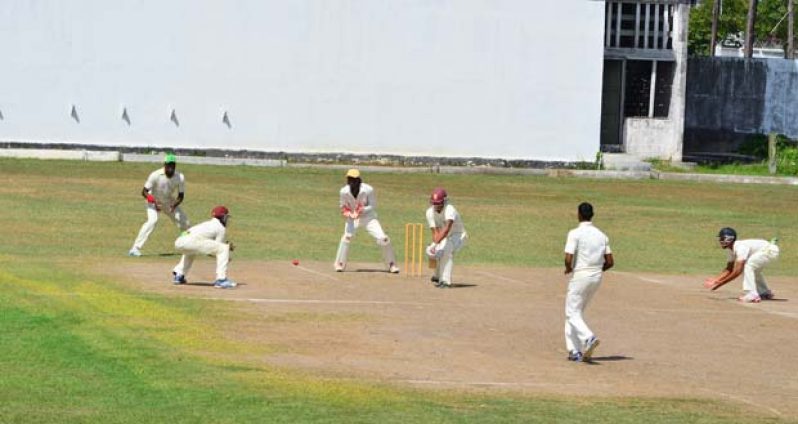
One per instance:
(743, 249)
(448, 213)
(163, 188)
(211, 229)
(365, 197)
(588, 245)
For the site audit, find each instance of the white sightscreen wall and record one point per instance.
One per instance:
(501, 78)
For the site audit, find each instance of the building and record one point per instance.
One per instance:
(645, 62)
(497, 79)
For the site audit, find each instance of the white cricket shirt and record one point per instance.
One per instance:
(588, 245)
(211, 229)
(743, 249)
(438, 220)
(163, 188)
(365, 197)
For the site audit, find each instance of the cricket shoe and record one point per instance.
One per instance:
(178, 278)
(224, 284)
(393, 269)
(443, 285)
(750, 297)
(575, 356)
(339, 267)
(768, 295)
(590, 345)
(434, 280)
(134, 252)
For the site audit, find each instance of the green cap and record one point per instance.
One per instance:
(170, 158)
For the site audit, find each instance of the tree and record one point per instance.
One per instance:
(732, 22)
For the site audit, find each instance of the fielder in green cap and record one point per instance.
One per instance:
(159, 192)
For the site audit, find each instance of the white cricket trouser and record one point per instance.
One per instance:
(753, 280)
(444, 253)
(375, 230)
(581, 288)
(191, 246)
(178, 218)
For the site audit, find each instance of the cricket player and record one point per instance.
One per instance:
(587, 256)
(448, 236)
(747, 257)
(159, 192)
(207, 238)
(358, 203)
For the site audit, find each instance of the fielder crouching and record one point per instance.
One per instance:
(587, 256)
(207, 238)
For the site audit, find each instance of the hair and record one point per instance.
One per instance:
(586, 210)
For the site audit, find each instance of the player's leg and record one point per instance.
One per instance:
(145, 231)
(573, 302)
(581, 290)
(750, 270)
(183, 267)
(758, 262)
(375, 230)
(222, 253)
(446, 261)
(343, 246)
(180, 219)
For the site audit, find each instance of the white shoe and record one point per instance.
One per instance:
(590, 345)
(134, 252)
(224, 284)
(339, 267)
(750, 297)
(393, 269)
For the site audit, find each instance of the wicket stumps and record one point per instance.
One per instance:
(414, 249)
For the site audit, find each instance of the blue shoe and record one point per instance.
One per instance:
(178, 278)
(590, 345)
(575, 356)
(224, 284)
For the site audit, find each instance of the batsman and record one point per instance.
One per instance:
(448, 236)
(358, 203)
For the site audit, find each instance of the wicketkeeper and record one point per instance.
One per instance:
(358, 208)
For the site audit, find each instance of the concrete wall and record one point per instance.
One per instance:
(645, 138)
(729, 99)
(416, 77)
(658, 138)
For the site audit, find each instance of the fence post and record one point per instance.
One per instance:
(772, 162)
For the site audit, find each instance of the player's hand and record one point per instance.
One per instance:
(346, 213)
(710, 283)
(359, 208)
(232, 246)
(568, 271)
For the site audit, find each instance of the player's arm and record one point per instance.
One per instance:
(441, 233)
(609, 262)
(732, 271)
(180, 197)
(569, 263)
(145, 193)
(371, 203)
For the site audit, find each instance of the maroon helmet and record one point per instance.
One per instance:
(438, 196)
(220, 212)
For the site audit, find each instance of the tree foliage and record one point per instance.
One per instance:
(732, 22)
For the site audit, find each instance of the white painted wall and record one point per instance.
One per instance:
(490, 78)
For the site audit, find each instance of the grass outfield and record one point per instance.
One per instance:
(80, 348)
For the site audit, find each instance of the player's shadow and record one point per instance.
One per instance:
(597, 360)
(380, 270)
(462, 286)
(198, 283)
(166, 254)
